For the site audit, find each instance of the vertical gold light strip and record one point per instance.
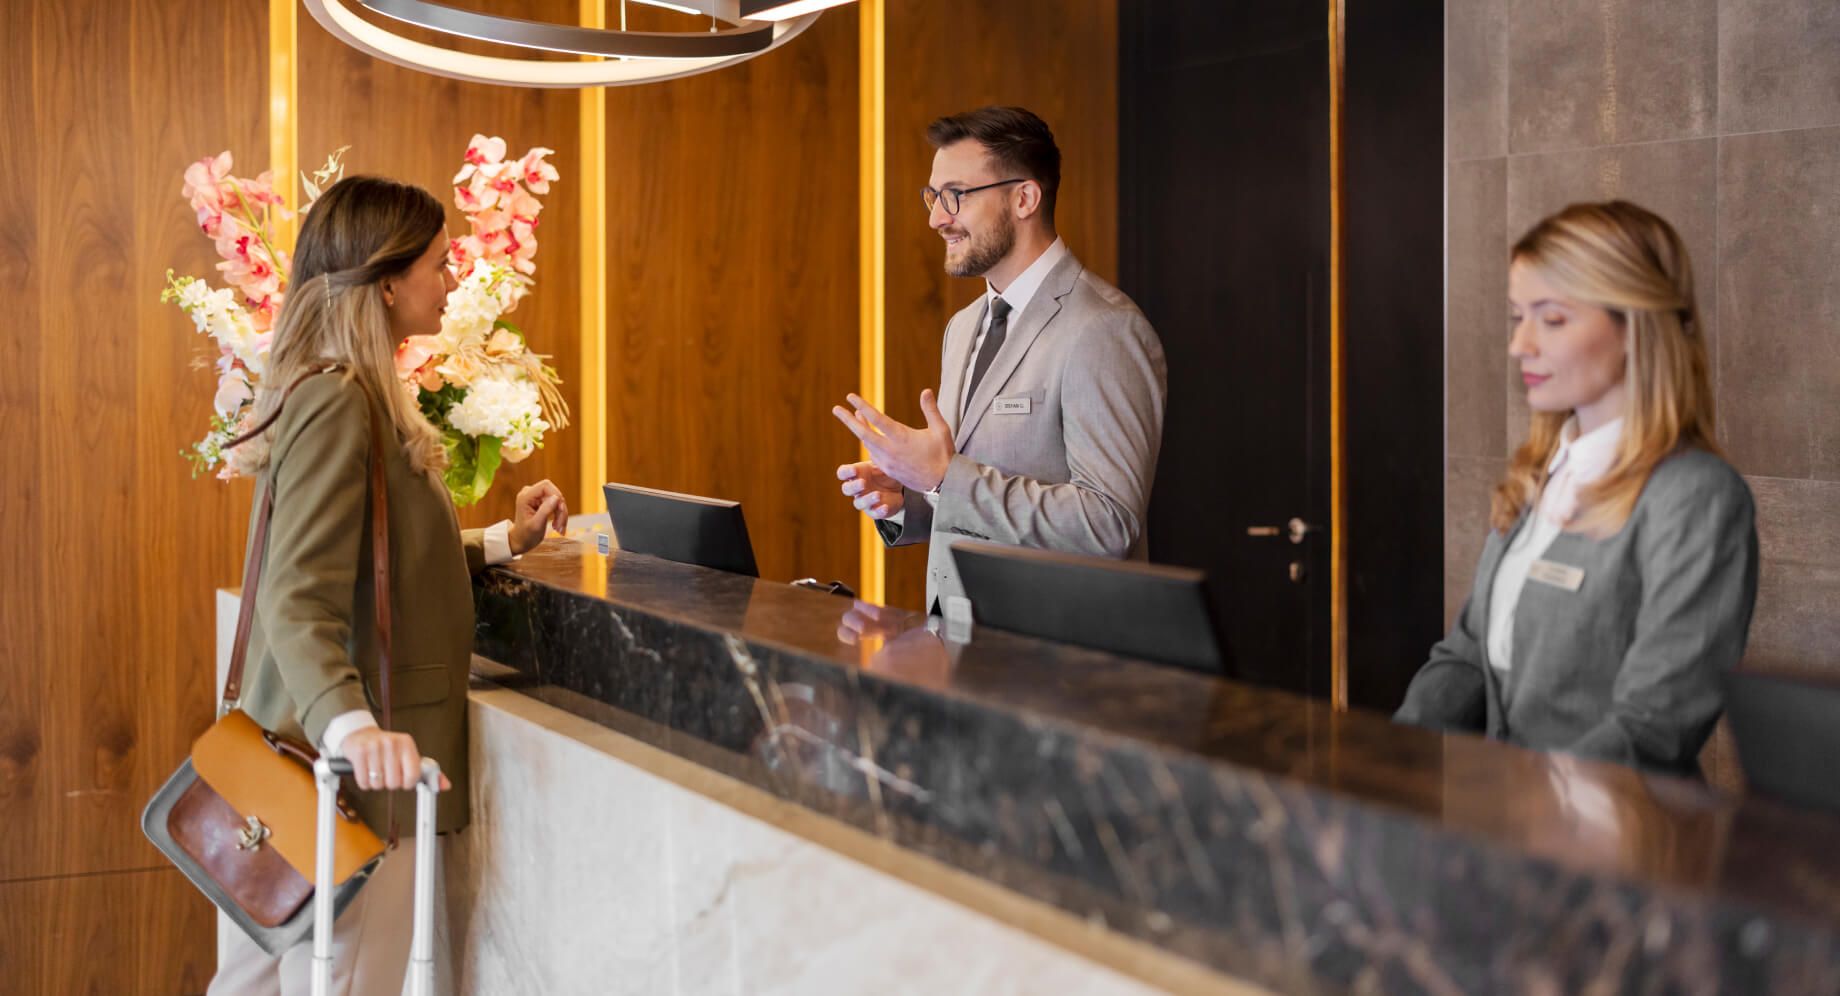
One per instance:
(1338, 412)
(283, 98)
(872, 128)
(591, 420)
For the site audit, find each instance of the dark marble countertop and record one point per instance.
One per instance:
(1259, 833)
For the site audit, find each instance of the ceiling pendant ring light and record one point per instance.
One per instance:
(623, 57)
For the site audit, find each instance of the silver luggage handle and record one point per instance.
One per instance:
(326, 774)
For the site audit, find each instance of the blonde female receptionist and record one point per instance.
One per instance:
(1619, 575)
(370, 269)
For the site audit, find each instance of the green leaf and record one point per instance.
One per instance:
(472, 464)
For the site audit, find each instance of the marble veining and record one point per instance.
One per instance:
(1257, 833)
(586, 874)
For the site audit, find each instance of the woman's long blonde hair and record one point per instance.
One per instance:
(1628, 261)
(361, 231)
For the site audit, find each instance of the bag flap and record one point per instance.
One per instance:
(256, 781)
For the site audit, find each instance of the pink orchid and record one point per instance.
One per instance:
(229, 236)
(252, 272)
(204, 177)
(264, 311)
(524, 206)
(491, 220)
(210, 219)
(416, 359)
(481, 150)
(465, 252)
(260, 192)
(504, 182)
(482, 192)
(494, 243)
(536, 173)
(521, 257)
(465, 199)
(523, 246)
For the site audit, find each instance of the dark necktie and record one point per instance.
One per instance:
(993, 341)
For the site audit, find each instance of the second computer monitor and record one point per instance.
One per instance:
(689, 529)
(1134, 609)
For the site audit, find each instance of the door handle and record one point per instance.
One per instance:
(1296, 530)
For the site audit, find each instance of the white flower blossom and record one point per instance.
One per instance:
(473, 307)
(508, 409)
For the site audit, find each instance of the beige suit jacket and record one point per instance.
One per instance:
(1057, 449)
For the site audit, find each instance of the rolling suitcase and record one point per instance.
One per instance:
(326, 773)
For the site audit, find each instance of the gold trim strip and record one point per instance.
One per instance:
(872, 131)
(1338, 374)
(592, 379)
(283, 98)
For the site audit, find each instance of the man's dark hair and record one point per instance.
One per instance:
(1018, 142)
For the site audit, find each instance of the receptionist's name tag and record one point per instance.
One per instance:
(1010, 406)
(1558, 575)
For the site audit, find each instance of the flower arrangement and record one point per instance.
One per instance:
(491, 397)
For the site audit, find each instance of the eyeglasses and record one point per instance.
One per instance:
(951, 196)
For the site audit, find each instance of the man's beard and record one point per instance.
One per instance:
(984, 252)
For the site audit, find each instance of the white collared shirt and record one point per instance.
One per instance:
(1579, 461)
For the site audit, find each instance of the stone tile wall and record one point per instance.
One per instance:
(1724, 117)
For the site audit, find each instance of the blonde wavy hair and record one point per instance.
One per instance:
(1630, 262)
(361, 231)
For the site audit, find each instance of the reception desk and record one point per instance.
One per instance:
(693, 782)
(1089, 823)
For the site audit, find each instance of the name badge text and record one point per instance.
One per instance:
(1562, 576)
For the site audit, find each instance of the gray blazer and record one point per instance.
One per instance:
(1058, 447)
(1626, 668)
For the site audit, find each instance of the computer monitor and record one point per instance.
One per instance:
(689, 529)
(1787, 738)
(1130, 608)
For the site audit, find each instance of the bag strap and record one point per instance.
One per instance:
(258, 549)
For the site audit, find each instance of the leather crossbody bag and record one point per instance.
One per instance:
(238, 816)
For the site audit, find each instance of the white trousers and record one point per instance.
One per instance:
(370, 942)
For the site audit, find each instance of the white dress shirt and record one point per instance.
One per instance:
(1579, 461)
(498, 551)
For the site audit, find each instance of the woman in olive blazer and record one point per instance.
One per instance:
(370, 270)
(1618, 580)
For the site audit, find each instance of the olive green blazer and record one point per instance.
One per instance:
(313, 650)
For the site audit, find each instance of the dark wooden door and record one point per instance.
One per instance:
(1224, 243)
(1224, 196)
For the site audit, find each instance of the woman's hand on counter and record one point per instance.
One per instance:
(539, 507)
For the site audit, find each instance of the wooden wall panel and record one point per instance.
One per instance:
(414, 127)
(732, 291)
(143, 933)
(1058, 58)
(114, 549)
(115, 546)
(26, 786)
